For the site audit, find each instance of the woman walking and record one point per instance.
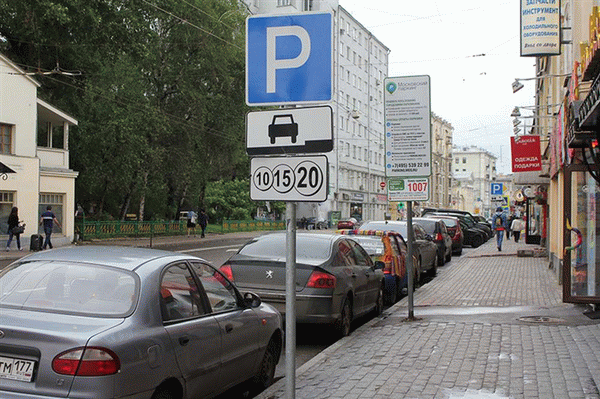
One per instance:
(516, 226)
(14, 229)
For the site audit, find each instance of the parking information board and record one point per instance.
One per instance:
(303, 178)
(407, 102)
(415, 189)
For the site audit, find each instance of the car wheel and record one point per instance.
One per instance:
(433, 271)
(163, 393)
(417, 273)
(266, 373)
(392, 295)
(449, 257)
(459, 253)
(477, 241)
(345, 322)
(441, 259)
(379, 302)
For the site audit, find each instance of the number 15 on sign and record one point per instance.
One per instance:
(415, 189)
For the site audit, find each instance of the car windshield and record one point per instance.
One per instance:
(449, 222)
(428, 225)
(310, 248)
(399, 227)
(373, 245)
(61, 287)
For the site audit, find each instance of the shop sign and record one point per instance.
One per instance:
(540, 27)
(526, 155)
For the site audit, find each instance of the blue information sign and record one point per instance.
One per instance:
(496, 189)
(289, 59)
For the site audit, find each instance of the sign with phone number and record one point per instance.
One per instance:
(413, 189)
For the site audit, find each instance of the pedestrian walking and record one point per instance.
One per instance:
(14, 228)
(48, 219)
(516, 226)
(498, 225)
(508, 224)
(191, 222)
(203, 221)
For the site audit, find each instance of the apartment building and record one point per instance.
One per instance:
(482, 165)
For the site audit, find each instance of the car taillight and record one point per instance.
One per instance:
(319, 279)
(226, 270)
(438, 237)
(92, 361)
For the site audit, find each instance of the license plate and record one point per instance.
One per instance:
(16, 369)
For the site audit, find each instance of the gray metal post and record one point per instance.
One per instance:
(290, 301)
(410, 266)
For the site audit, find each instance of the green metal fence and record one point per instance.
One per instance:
(88, 230)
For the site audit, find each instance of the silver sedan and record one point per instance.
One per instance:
(108, 322)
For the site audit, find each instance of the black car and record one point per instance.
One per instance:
(466, 216)
(474, 236)
(437, 229)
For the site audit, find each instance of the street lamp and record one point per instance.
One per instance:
(517, 85)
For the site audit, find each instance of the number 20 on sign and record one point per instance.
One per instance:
(415, 189)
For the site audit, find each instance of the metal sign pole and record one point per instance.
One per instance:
(290, 301)
(410, 266)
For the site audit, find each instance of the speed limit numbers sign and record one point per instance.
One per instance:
(289, 179)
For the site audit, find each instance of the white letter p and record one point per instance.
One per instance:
(273, 64)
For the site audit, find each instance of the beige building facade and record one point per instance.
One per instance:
(34, 144)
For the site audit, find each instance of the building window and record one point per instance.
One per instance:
(5, 139)
(308, 5)
(464, 160)
(456, 160)
(283, 3)
(56, 201)
(6, 204)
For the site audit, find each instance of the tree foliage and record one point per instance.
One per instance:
(157, 88)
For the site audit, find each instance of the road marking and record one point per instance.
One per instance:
(235, 247)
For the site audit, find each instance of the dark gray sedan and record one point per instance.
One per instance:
(336, 280)
(108, 322)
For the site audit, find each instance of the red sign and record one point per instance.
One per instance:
(526, 153)
(382, 185)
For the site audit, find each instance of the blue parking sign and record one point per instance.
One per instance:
(496, 189)
(289, 59)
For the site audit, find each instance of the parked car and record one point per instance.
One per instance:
(316, 224)
(389, 248)
(100, 322)
(466, 216)
(336, 280)
(436, 228)
(455, 231)
(424, 249)
(474, 236)
(347, 224)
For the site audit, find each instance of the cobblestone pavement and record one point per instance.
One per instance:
(490, 325)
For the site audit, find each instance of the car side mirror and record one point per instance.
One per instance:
(379, 265)
(429, 237)
(252, 300)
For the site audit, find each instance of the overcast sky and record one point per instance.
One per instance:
(470, 49)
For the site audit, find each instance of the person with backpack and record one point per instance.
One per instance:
(498, 225)
(203, 221)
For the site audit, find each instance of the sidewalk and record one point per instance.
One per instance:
(490, 325)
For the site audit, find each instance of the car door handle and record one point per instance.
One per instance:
(229, 328)
(183, 341)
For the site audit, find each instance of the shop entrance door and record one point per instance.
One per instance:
(533, 222)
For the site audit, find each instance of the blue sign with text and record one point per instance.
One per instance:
(289, 59)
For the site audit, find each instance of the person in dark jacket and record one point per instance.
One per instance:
(203, 221)
(13, 221)
(48, 219)
(498, 225)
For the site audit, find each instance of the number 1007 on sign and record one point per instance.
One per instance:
(289, 179)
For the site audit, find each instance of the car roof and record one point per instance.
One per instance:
(128, 258)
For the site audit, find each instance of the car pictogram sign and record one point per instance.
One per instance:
(306, 130)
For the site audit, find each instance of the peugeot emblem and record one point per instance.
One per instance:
(1, 334)
(269, 273)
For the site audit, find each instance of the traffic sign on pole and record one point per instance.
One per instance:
(302, 178)
(289, 58)
(407, 103)
(290, 131)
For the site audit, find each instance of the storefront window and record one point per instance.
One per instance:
(582, 252)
